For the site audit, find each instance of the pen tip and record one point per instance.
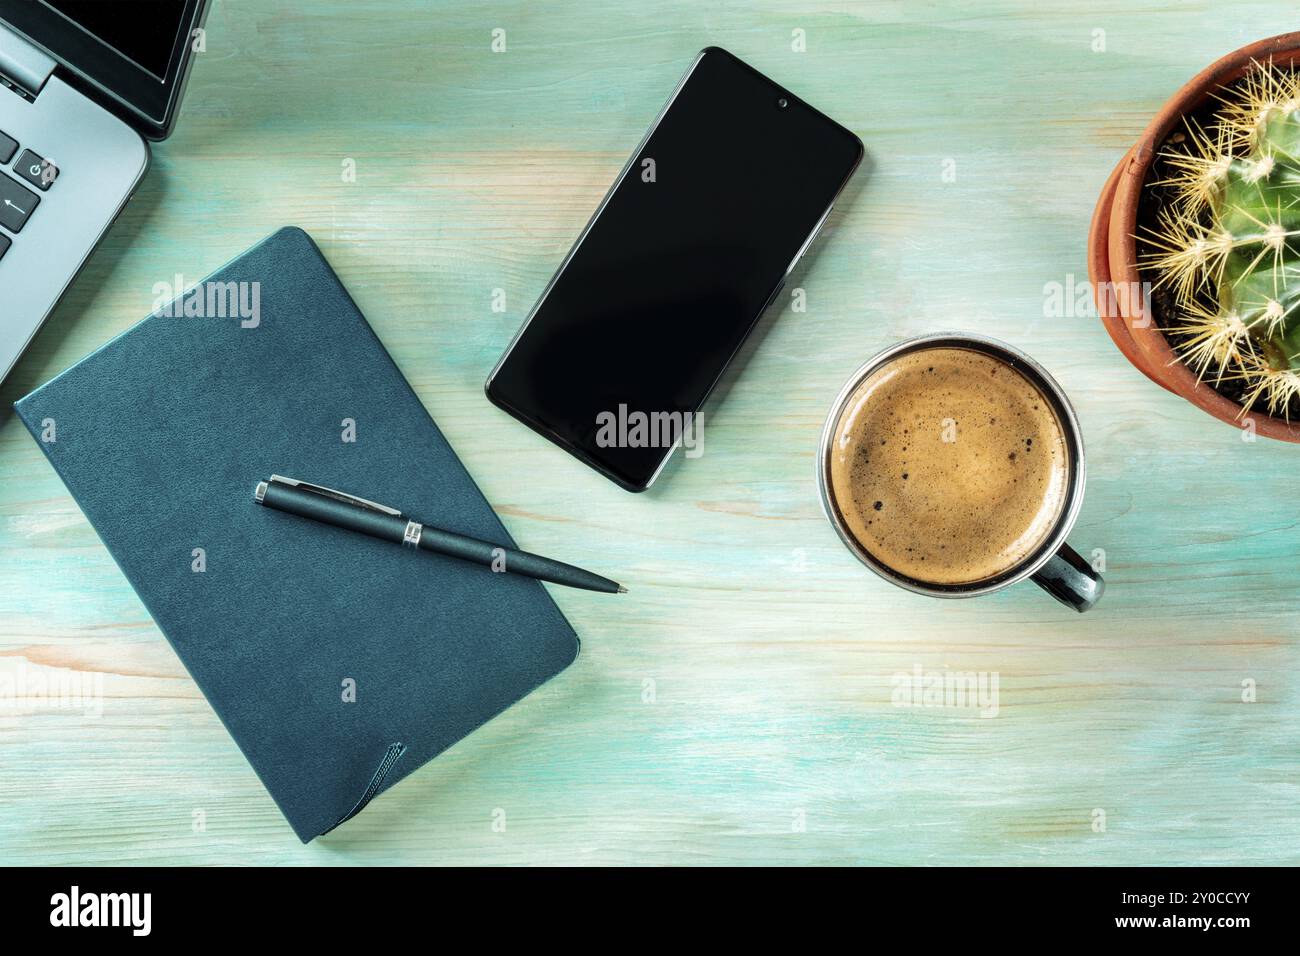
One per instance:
(621, 589)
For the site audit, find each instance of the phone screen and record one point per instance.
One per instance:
(690, 245)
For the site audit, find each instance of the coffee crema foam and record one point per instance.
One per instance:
(949, 466)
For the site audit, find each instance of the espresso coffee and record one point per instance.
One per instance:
(949, 466)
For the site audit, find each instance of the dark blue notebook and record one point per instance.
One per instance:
(161, 436)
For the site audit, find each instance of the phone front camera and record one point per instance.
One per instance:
(782, 103)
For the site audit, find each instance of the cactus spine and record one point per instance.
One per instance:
(1228, 246)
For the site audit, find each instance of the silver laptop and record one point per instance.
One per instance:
(83, 85)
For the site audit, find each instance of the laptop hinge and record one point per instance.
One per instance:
(22, 64)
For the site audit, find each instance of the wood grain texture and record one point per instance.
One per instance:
(771, 651)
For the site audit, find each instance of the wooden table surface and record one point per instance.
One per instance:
(738, 706)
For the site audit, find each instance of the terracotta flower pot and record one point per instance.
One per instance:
(1112, 244)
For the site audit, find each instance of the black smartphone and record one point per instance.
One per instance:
(690, 245)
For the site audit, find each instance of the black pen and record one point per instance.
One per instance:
(368, 517)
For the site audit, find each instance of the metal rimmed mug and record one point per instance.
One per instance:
(1054, 566)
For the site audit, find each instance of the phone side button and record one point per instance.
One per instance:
(809, 241)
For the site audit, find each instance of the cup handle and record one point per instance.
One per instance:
(1070, 579)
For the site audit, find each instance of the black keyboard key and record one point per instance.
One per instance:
(4, 246)
(41, 173)
(7, 146)
(16, 204)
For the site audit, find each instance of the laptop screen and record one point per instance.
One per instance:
(132, 55)
(141, 31)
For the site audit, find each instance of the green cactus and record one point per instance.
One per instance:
(1229, 245)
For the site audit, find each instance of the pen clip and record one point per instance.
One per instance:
(337, 495)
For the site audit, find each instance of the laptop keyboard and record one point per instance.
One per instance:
(17, 202)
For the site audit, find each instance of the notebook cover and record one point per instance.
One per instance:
(161, 436)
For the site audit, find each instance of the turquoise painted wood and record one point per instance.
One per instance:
(739, 705)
